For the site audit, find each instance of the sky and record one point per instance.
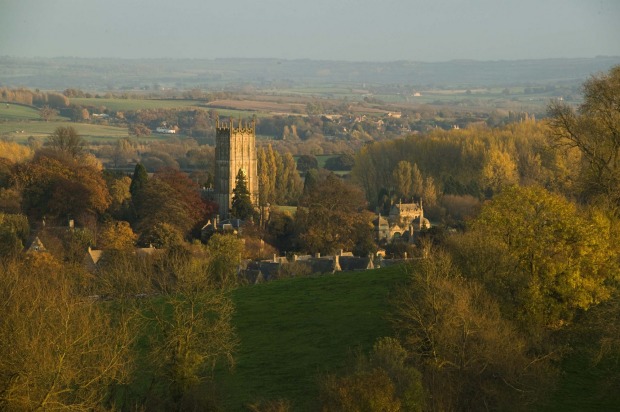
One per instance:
(361, 30)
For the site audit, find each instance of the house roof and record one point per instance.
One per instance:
(36, 246)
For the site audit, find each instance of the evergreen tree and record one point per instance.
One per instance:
(242, 207)
(138, 180)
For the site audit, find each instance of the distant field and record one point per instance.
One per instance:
(292, 331)
(257, 105)
(20, 131)
(13, 112)
(134, 104)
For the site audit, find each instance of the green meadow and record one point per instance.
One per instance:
(294, 331)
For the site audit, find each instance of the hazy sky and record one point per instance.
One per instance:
(362, 30)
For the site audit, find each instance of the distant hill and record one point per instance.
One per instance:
(215, 74)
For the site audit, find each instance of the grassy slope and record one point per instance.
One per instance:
(294, 330)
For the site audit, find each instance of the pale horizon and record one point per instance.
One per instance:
(342, 30)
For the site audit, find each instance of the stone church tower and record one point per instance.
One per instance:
(235, 149)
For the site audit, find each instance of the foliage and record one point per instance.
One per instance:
(594, 132)
(47, 113)
(380, 382)
(307, 162)
(551, 260)
(62, 188)
(242, 207)
(66, 140)
(161, 235)
(58, 351)
(171, 198)
(362, 391)
(116, 235)
(224, 252)
(332, 217)
(14, 152)
(470, 357)
(342, 162)
(403, 174)
(138, 180)
(192, 333)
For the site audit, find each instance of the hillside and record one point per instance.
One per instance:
(294, 330)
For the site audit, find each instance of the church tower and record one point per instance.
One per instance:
(235, 149)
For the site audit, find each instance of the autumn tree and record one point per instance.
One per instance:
(169, 198)
(66, 140)
(499, 171)
(381, 381)
(593, 129)
(47, 113)
(332, 216)
(402, 176)
(58, 351)
(63, 188)
(193, 335)
(289, 184)
(224, 256)
(116, 235)
(550, 259)
(471, 358)
(14, 230)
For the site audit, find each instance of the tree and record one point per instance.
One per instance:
(47, 113)
(429, 194)
(194, 333)
(289, 184)
(158, 203)
(138, 180)
(402, 176)
(224, 257)
(499, 171)
(58, 351)
(63, 188)
(550, 259)
(116, 235)
(417, 182)
(307, 162)
(332, 216)
(139, 129)
(66, 140)
(471, 358)
(594, 130)
(242, 207)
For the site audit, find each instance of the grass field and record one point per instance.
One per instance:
(17, 112)
(295, 330)
(20, 131)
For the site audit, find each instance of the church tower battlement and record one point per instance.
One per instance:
(235, 149)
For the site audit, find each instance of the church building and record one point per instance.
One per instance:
(235, 149)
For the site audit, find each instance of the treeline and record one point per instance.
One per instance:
(34, 98)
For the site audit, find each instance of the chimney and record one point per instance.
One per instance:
(337, 267)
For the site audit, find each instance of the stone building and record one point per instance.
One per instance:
(235, 149)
